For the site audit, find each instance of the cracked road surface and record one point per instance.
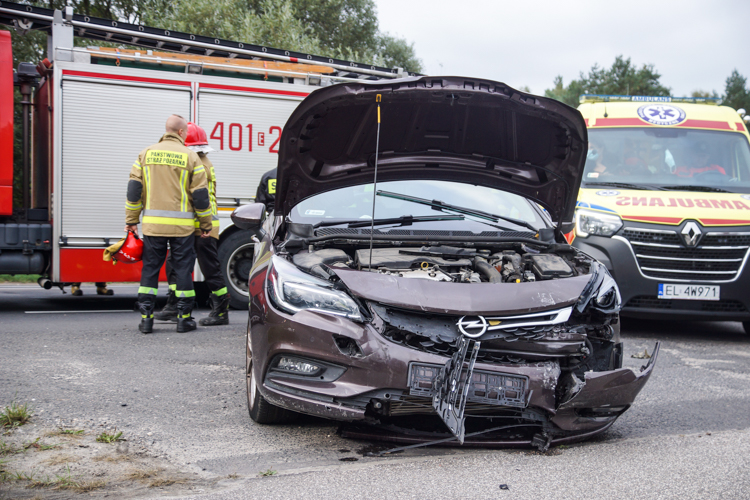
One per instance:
(181, 399)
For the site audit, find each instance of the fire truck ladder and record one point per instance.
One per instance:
(61, 26)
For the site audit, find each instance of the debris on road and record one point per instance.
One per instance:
(641, 355)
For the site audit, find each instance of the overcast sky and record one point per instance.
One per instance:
(693, 44)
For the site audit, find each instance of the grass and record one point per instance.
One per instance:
(165, 481)
(111, 458)
(140, 475)
(66, 432)
(62, 482)
(19, 278)
(106, 437)
(40, 446)
(266, 473)
(60, 459)
(15, 415)
(8, 448)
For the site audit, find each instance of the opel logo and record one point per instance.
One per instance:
(472, 326)
(691, 234)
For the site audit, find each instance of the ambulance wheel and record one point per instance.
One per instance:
(236, 258)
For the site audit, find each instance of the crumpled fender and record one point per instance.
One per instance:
(604, 389)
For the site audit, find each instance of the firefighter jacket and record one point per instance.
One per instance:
(211, 178)
(168, 184)
(266, 192)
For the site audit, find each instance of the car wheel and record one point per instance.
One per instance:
(746, 326)
(261, 410)
(236, 257)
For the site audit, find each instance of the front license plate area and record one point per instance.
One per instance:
(689, 292)
(490, 388)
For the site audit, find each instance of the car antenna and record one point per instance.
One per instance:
(375, 183)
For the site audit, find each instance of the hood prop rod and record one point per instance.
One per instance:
(375, 183)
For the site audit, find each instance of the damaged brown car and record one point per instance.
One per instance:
(414, 279)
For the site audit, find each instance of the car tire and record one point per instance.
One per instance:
(236, 259)
(746, 326)
(261, 411)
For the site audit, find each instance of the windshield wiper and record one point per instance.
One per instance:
(439, 205)
(404, 220)
(625, 185)
(706, 189)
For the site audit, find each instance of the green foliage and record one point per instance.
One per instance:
(704, 93)
(19, 278)
(736, 92)
(15, 415)
(106, 437)
(623, 78)
(267, 472)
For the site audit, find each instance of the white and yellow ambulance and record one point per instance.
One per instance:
(665, 204)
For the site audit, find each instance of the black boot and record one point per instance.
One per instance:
(146, 306)
(185, 322)
(169, 312)
(219, 314)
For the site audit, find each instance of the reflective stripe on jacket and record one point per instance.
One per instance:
(211, 178)
(168, 185)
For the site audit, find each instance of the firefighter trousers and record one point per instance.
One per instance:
(207, 250)
(182, 255)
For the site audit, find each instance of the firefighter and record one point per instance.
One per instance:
(266, 193)
(168, 184)
(207, 249)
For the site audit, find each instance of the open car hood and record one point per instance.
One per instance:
(438, 128)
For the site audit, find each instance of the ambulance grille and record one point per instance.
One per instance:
(654, 302)
(663, 255)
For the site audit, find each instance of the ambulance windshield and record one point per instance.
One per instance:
(669, 157)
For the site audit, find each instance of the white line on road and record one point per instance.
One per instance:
(78, 312)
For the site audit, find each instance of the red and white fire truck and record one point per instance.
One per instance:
(89, 111)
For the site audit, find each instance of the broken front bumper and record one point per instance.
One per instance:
(379, 380)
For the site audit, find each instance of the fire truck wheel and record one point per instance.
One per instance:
(236, 257)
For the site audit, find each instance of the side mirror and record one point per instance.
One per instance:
(249, 216)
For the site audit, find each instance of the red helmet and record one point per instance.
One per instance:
(131, 250)
(196, 136)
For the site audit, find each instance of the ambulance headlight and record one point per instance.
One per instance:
(596, 223)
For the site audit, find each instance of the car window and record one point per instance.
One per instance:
(355, 202)
(668, 157)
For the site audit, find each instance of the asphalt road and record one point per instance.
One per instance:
(183, 396)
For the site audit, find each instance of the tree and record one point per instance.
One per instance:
(736, 93)
(704, 93)
(623, 78)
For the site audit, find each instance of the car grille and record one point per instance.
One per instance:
(653, 302)
(661, 254)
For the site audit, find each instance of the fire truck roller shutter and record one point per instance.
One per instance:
(104, 127)
(244, 129)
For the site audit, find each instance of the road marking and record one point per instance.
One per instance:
(77, 312)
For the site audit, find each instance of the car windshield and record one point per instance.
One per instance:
(669, 158)
(355, 202)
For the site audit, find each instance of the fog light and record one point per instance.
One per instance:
(299, 366)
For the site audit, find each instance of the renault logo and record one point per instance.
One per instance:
(691, 234)
(472, 326)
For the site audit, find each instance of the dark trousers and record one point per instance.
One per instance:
(207, 250)
(182, 252)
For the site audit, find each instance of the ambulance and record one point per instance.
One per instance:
(665, 205)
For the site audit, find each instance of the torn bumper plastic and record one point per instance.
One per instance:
(604, 397)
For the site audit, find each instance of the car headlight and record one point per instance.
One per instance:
(596, 223)
(608, 296)
(292, 291)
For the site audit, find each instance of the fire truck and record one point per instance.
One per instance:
(88, 111)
